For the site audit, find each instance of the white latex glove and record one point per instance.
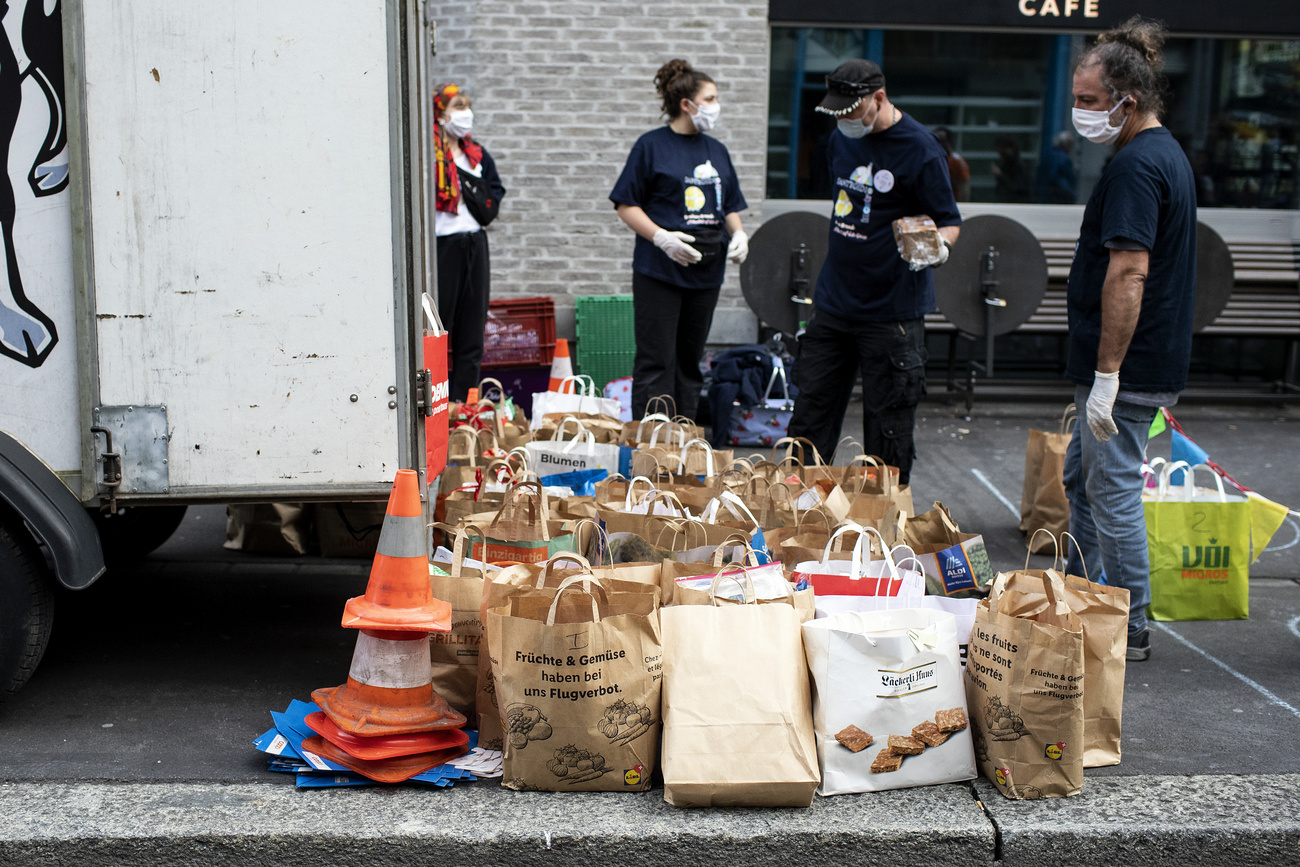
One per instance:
(738, 249)
(944, 251)
(675, 246)
(1105, 386)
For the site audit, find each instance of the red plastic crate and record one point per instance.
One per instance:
(520, 332)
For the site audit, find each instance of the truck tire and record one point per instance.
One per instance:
(135, 531)
(26, 607)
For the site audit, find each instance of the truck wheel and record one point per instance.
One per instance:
(26, 607)
(135, 531)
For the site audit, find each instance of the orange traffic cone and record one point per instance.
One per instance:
(561, 366)
(389, 690)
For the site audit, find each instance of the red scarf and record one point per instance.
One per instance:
(448, 180)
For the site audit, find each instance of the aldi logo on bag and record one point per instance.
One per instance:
(1207, 562)
(957, 572)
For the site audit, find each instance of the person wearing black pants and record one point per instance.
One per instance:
(462, 165)
(464, 285)
(891, 357)
(870, 302)
(680, 194)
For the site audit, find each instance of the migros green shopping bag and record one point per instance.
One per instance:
(1199, 542)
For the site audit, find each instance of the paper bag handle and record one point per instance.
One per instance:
(640, 428)
(740, 539)
(708, 455)
(627, 501)
(561, 557)
(1056, 556)
(664, 401)
(483, 392)
(747, 594)
(1077, 547)
(589, 582)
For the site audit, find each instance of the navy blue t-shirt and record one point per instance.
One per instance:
(684, 183)
(901, 171)
(1147, 195)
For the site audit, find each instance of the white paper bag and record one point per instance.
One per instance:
(886, 672)
(577, 394)
(548, 457)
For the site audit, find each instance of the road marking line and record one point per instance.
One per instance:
(1001, 499)
(1232, 671)
(1290, 544)
(1294, 626)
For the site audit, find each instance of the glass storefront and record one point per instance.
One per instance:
(1004, 98)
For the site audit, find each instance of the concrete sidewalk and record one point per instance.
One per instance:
(1133, 822)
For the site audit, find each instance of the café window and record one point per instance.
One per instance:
(1004, 98)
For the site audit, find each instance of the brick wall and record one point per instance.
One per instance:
(562, 89)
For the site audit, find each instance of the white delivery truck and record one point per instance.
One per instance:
(217, 229)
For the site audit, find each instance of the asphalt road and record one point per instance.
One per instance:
(166, 671)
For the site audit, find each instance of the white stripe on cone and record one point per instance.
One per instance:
(391, 664)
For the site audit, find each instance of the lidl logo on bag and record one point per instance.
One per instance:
(1210, 562)
(1055, 751)
(1002, 776)
(632, 776)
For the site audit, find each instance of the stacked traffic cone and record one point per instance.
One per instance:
(387, 722)
(561, 365)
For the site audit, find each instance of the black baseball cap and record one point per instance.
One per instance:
(848, 85)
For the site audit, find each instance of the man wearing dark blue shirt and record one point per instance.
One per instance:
(1131, 297)
(869, 303)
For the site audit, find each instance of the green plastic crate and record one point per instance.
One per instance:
(606, 346)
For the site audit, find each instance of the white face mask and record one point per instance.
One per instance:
(1095, 125)
(851, 128)
(706, 116)
(459, 123)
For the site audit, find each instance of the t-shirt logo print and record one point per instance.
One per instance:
(862, 177)
(703, 175)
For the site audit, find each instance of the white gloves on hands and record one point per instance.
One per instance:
(738, 249)
(675, 246)
(944, 250)
(1105, 386)
(922, 264)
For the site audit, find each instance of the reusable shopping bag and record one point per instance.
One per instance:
(1024, 687)
(1199, 544)
(737, 706)
(766, 421)
(1042, 499)
(889, 707)
(578, 672)
(436, 417)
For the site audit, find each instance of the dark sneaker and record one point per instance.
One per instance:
(1139, 646)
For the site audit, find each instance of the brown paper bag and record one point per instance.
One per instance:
(1024, 687)
(579, 675)
(1104, 612)
(738, 727)
(517, 580)
(1042, 499)
(269, 528)
(453, 656)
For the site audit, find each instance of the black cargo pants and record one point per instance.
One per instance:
(891, 357)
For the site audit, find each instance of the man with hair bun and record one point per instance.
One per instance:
(1132, 290)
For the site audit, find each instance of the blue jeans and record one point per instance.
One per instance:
(1103, 482)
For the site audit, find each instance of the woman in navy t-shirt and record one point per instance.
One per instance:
(679, 193)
